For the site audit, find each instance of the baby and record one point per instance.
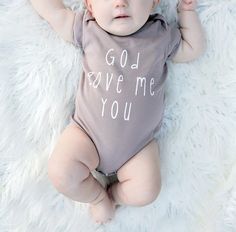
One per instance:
(120, 100)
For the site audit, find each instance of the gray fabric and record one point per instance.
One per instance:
(120, 97)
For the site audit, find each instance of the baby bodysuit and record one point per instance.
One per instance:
(120, 98)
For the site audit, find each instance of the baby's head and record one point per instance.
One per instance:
(121, 17)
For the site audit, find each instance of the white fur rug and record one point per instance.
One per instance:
(39, 73)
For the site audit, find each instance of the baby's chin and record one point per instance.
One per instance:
(121, 31)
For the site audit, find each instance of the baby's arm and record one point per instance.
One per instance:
(193, 42)
(58, 16)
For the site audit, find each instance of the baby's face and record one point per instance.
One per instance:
(121, 17)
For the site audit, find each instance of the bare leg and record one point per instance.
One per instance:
(139, 179)
(69, 169)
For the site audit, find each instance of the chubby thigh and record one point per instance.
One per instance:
(141, 174)
(75, 144)
(73, 158)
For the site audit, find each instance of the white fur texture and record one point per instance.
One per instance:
(39, 73)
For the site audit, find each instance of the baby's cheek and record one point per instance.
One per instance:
(104, 26)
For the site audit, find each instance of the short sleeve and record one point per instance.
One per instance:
(78, 28)
(174, 39)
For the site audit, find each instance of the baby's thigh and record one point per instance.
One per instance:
(73, 149)
(144, 167)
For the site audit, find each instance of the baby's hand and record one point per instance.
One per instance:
(187, 5)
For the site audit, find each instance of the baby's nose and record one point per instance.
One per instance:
(120, 3)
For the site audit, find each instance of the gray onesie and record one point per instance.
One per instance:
(120, 98)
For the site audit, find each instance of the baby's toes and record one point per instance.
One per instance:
(102, 213)
(99, 216)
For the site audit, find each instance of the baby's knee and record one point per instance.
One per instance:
(67, 176)
(145, 194)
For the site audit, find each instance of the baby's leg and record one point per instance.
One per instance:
(69, 169)
(139, 179)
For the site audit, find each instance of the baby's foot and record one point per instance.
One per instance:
(103, 211)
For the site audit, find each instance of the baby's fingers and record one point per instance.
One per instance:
(187, 4)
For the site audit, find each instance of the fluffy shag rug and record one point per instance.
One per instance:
(39, 73)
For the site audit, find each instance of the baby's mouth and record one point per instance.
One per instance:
(122, 17)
